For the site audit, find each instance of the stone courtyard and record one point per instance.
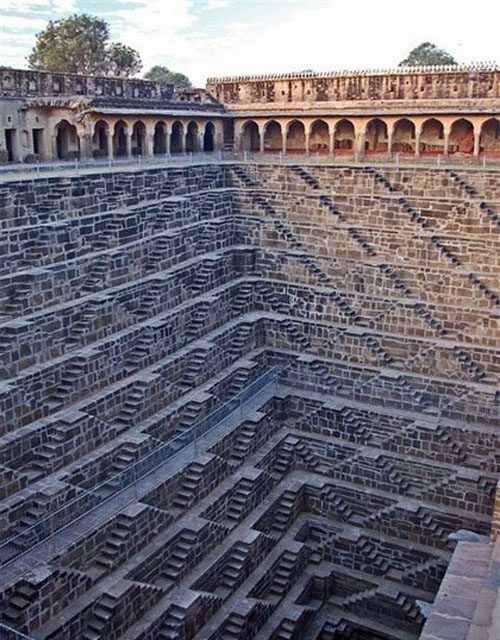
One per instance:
(249, 400)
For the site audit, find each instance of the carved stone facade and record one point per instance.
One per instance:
(433, 110)
(47, 116)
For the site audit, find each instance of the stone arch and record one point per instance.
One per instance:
(139, 138)
(209, 137)
(120, 138)
(461, 137)
(177, 137)
(344, 136)
(192, 137)
(319, 137)
(67, 141)
(376, 136)
(489, 138)
(250, 136)
(404, 136)
(100, 139)
(273, 136)
(432, 137)
(160, 138)
(295, 137)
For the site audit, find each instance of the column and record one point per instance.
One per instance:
(128, 137)
(446, 142)
(109, 144)
(86, 145)
(417, 143)
(476, 144)
(332, 141)
(53, 146)
(261, 140)
(201, 140)
(283, 141)
(149, 144)
(389, 142)
(359, 144)
(308, 136)
(167, 146)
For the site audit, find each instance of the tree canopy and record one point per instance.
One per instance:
(427, 54)
(161, 74)
(80, 44)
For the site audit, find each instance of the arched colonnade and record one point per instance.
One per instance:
(138, 137)
(362, 135)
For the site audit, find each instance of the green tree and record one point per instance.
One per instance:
(427, 54)
(123, 61)
(161, 74)
(80, 44)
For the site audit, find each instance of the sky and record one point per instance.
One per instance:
(206, 38)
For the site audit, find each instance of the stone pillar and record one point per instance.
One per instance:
(359, 144)
(308, 138)
(128, 136)
(86, 145)
(53, 146)
(417, 143)
(332, 141)
(476, 144)
(283, 141)
(201, 140)
(446, 142)
(389, 142)
(261, 141)
(109, 144)
(167, 133)
(149, 144)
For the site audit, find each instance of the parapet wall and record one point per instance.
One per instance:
(23, 83)
(404, 83)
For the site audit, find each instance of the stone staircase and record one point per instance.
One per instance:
(187, 493)
(180, 556)
(115, 543)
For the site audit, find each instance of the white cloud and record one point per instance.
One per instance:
(215, 4)
(39, 6)
(20, 23)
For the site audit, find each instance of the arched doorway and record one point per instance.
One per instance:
(376, 137)
(209, 137)
(319, 137)
(461, 137)
(403, 136)
(176, 138)
(160, 138)
(344, 137)
(120, 139)
(432, 137)
(100, 139)
(139, 139)
(273, 136)
(250, 137)
(489, 140)
(296, 137)
(67, 141)
(192, 137)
